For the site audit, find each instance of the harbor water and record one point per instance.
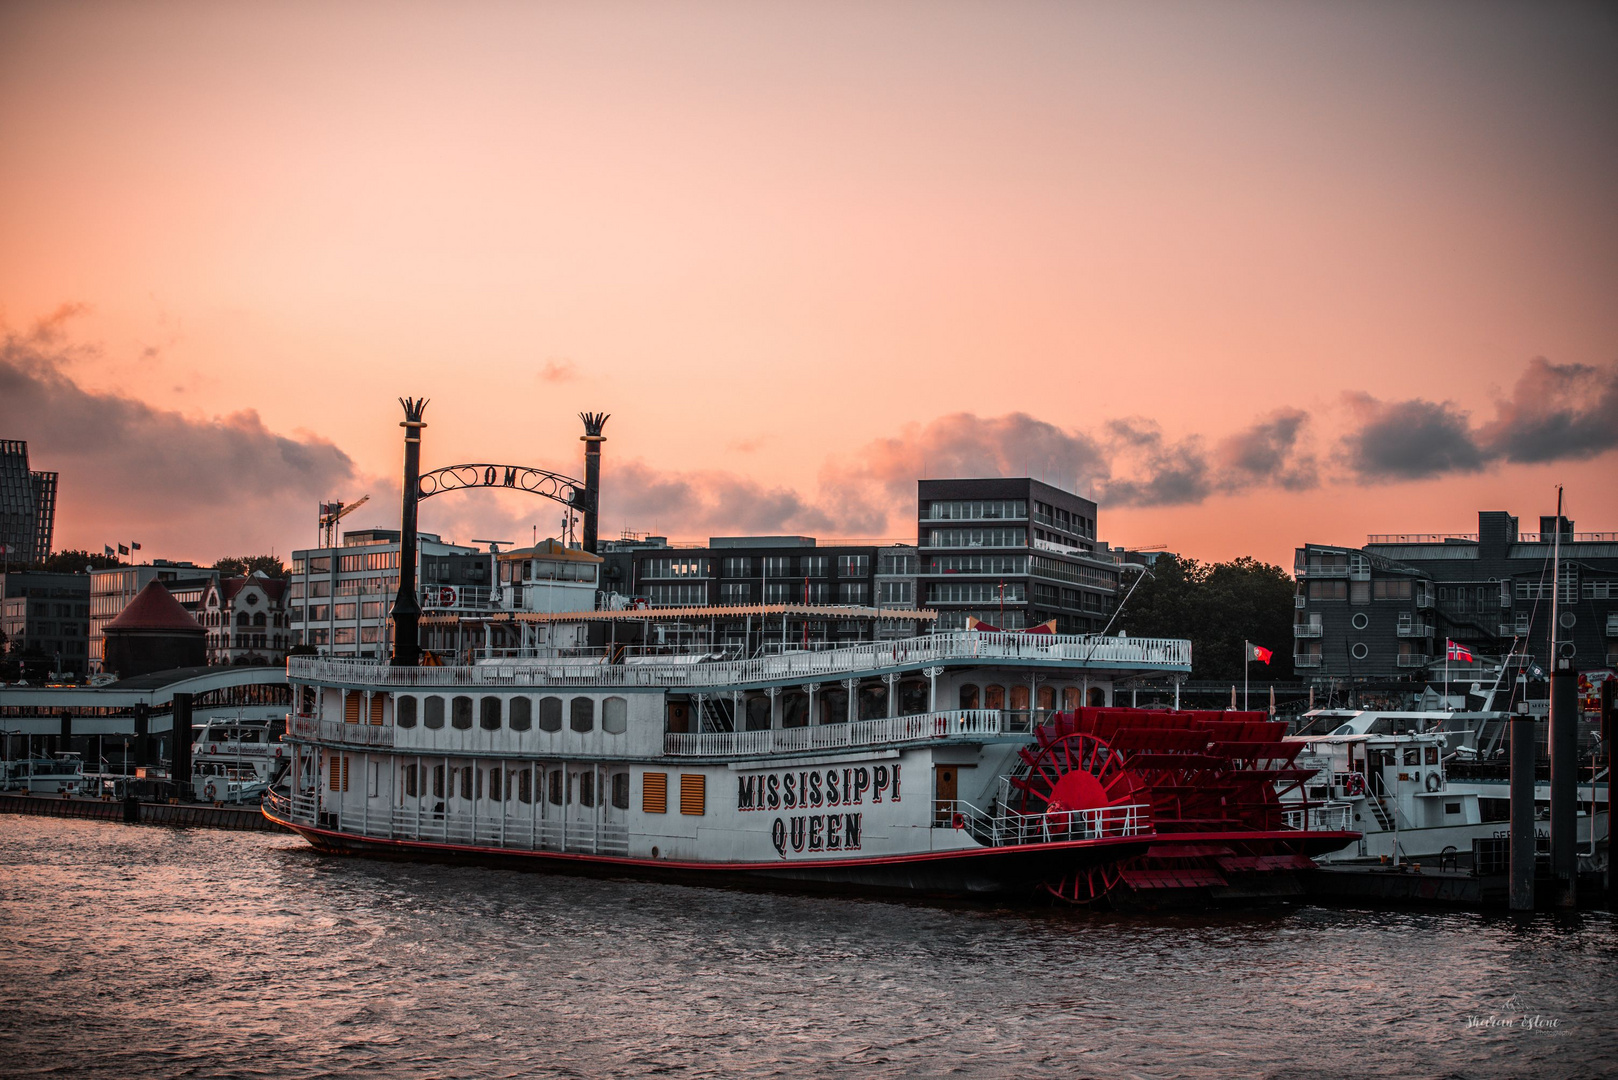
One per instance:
(134, 951)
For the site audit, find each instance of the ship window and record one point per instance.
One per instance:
(1452, 808)
(969, 696)
(433, 715)
(1070, 697)
(466, 784)
(550, 714)
(489, 713)
(1097, 697)
(654, 793)
(587, 788)
(1019, 698)
(438, 776)
(615, 716)
(994, 697)
(556, 787)
(404, 711)
(525, 786)
(410, 780)
(693, 793)
(582, 715)
(1412, 755)
(1432, 755)
(1047, 697)
(522, 714)
(496, 783)
(461, 713)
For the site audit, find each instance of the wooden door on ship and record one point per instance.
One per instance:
(946, 789)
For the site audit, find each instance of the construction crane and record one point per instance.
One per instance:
(333, 512)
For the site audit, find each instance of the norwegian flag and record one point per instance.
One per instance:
(1458, 652)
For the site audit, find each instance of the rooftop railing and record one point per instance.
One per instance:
(694, 671)
(883, 731)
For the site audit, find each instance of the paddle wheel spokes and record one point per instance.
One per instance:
(1088, 885)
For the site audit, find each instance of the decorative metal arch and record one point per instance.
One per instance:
(563, 489)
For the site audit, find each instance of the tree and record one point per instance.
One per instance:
(1218, 606)
(242, 565)
(74, 562)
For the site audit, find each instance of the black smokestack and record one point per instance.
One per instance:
(406, 607)
(592, 439)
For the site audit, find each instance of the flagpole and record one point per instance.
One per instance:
(1247, 655)
(1447, 651)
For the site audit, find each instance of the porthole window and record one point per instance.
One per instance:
(404, 711)
(582, 715)
(1360, 621)
(550, 714)
(433, 714)
(522, 714)
(489, 713)
(460, 715)
(1568, 619)
(1359, 651)
(615, 716)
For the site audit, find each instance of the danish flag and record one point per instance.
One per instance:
(1458, 652)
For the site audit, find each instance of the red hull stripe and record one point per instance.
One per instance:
(308, 832)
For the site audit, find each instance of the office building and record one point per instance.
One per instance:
(27, 507)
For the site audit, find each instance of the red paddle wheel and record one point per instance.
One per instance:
(1071, 772)
(1210, 779)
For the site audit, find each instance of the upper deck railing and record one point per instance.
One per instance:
(950, 647)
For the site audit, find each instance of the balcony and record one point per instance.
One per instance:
(1307, 630)
(1612, 624)
(1310, 660)
(1414, 660)
(1414, 628)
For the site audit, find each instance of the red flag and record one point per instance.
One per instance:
(1258, 652)
(1458, 652)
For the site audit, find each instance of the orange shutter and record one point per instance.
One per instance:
(376, 708)
(693, 793)
(351, 707)
(654, 793)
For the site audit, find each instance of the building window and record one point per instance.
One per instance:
(777, 566)
(1328, 590)
(962, 538)
(461, 713)
(522, 715)
(853, 592)
(778, 592)
(550, 714)
(342, 635)
(853, 565)
(976, 593)
(1359, 592)
(896, 592)
(615, 718)
(901, 565)
(978, 510)
(692, 594)
(1391, 589)
(736, 592)
(489, 713)
(582, 714)
(738, 566)
(673, 568)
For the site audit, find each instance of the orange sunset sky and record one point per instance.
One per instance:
(1249, 274)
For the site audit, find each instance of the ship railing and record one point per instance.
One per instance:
(1005, 826)
(920, 727)
(1329, 818)
(338, 731)
(961, 646)
(524, 833)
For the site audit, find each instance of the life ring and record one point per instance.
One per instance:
(958, 821)
(1434, 781)
(1354, 784)
(210, 793)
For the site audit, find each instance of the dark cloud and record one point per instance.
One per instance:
(713, 503)
(1556, 412)
(1410, 440)
(1269, 453)
(1159, 473)
(964, 445)
(180, 481)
